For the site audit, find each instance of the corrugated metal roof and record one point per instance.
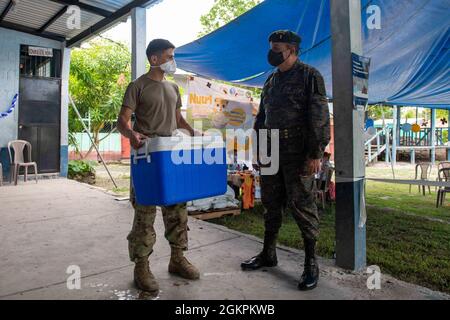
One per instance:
(31, 15)
(3, 5)
(60, 25)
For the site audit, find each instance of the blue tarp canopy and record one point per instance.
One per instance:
(410, 53)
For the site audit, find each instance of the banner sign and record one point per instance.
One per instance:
(39, 51)
(361, 67)
(220, 106)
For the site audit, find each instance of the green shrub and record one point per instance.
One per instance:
(82, 171)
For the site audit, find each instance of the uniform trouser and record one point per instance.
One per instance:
(291, 187)
(142, 237)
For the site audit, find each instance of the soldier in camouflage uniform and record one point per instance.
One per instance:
(294, 102)
(156, 104)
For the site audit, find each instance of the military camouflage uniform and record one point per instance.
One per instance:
(295, 103)
(143, 236)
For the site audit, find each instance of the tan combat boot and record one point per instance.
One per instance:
(181, 266)
(143, 277)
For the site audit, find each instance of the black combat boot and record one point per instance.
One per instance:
(267, 258)
(310, 276)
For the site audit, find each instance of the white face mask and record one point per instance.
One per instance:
(169, 67)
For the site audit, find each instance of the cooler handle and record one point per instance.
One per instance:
(146, 154)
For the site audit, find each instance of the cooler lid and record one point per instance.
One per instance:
(180, 142)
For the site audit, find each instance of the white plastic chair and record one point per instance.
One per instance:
(442, 165)
(425, 171)
(18, 146)
(443, 175)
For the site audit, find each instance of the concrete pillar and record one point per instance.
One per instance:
(139, 42)
(64, 149)
(395, 134)
(433, 136)
(349, 123)
(138, 58)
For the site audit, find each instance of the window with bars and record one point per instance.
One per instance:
(40, 66)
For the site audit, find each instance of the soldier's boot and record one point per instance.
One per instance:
(181, 266)
(143, 277)
(310, 276)
(267, 258)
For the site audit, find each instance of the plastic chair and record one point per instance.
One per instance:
(425, 170)
(443, 176)
(321, 193)
(18, 146)
(442, 165)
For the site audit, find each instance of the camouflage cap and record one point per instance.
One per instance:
(285, 36)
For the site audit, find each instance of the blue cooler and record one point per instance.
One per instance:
(171, 170)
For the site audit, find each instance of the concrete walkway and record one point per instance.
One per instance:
(49, 226)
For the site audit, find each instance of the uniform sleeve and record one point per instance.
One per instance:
(179, 102)
(261, 116)
(318, 135)
(130, 98)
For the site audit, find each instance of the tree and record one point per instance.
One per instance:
(223, 12)
(376, 112)
(98, 79)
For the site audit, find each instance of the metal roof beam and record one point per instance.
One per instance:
(7, 9)
(107, 22)
(16, 27)
(53, 19)
(86, 7)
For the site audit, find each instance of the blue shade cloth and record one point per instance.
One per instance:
(410, 53)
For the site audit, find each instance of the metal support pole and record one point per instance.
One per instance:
(349, 137)
(92, 140)
(433, 136)
(394, 136)
(387, 151)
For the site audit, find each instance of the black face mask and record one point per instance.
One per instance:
(275, 58)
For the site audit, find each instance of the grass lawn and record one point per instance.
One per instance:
(396, 196)
(409, 248)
